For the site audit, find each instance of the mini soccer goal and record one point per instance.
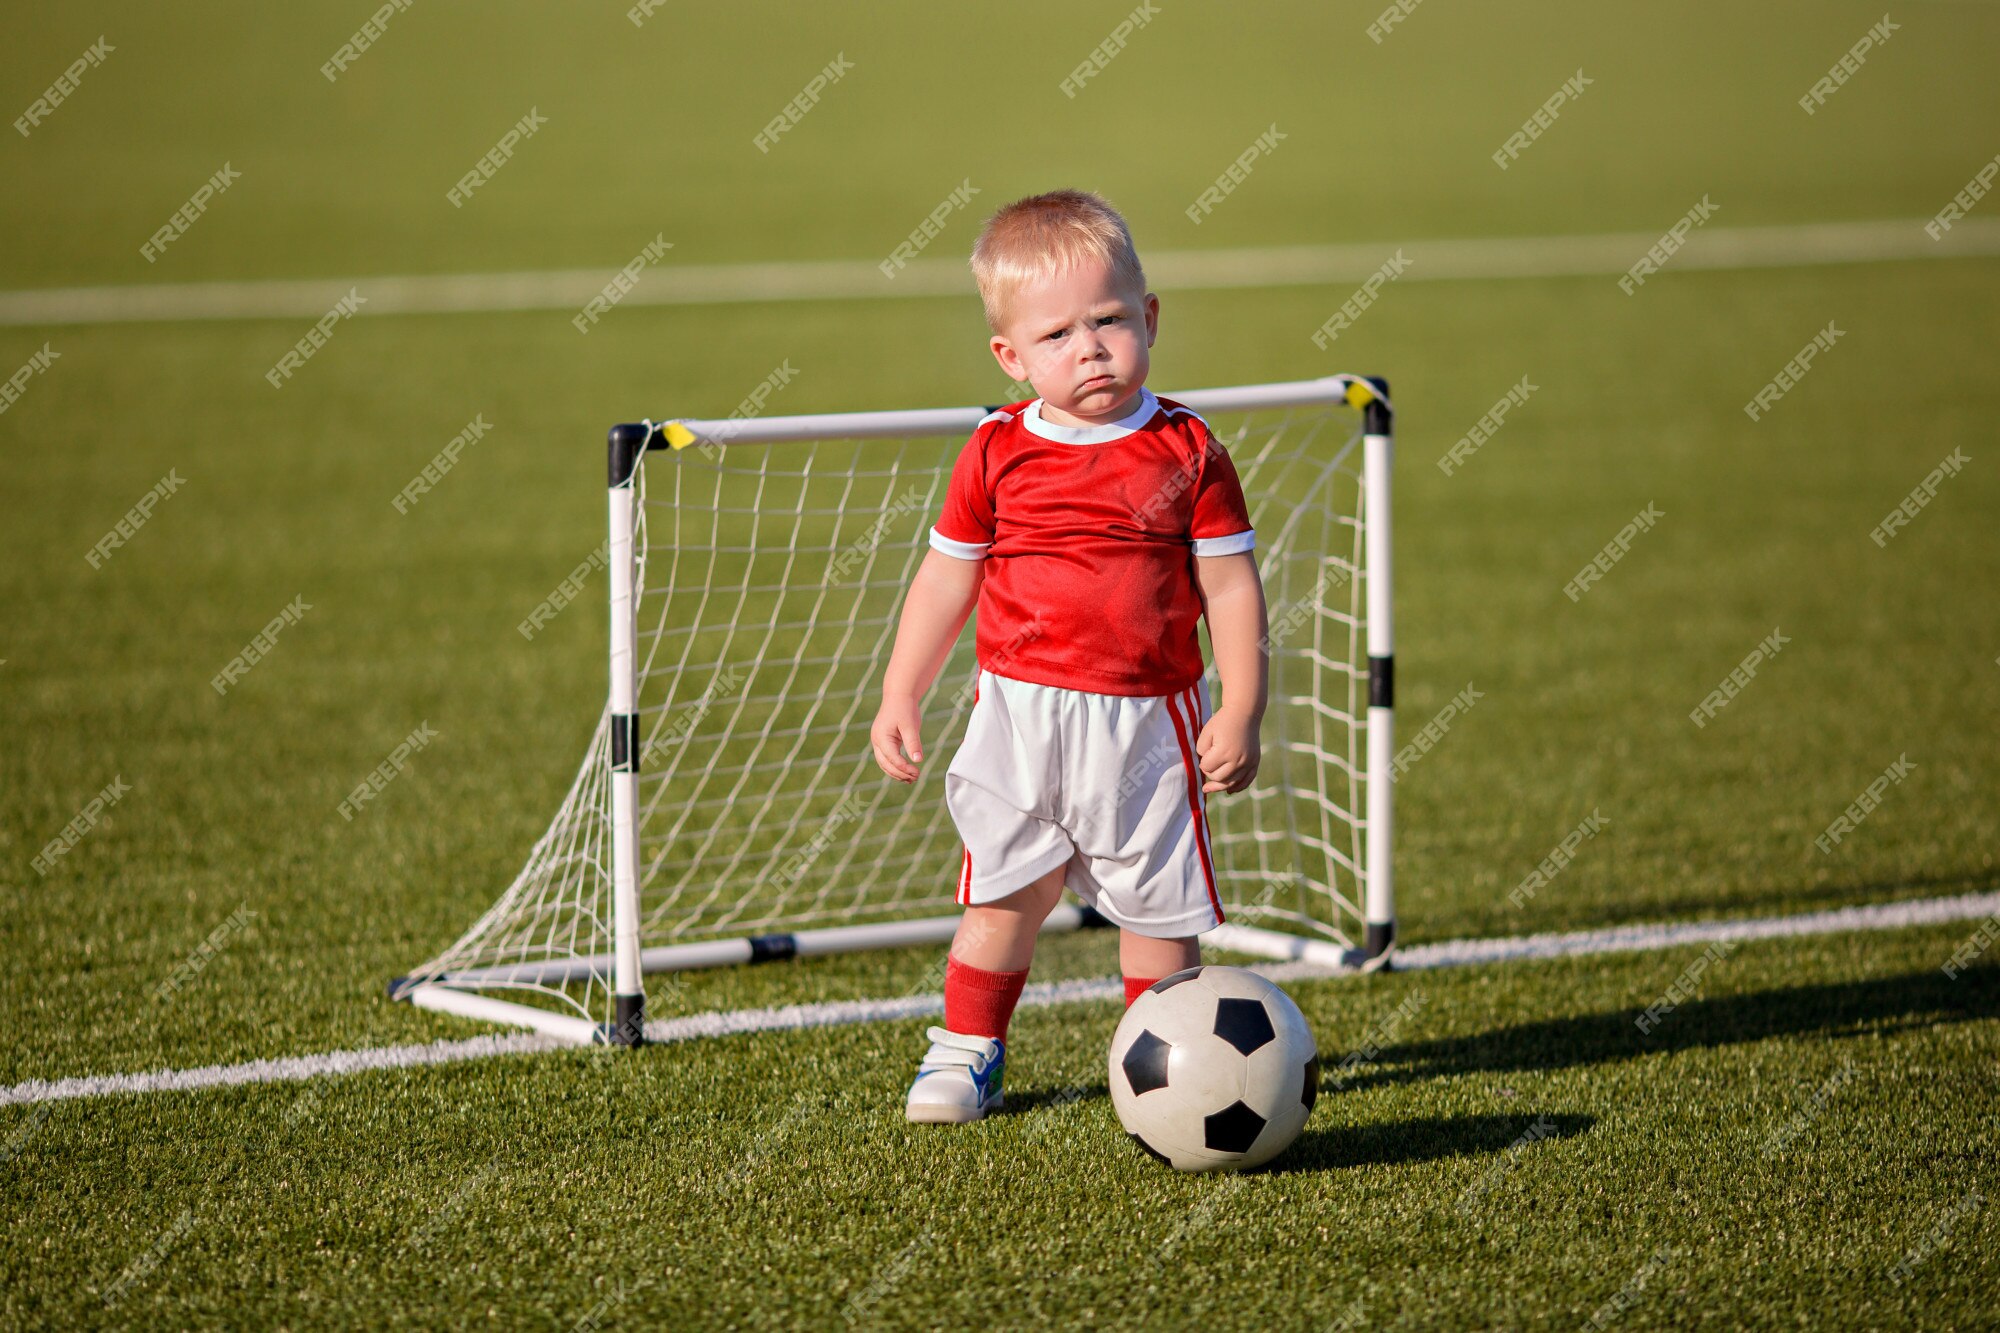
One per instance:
(729, 809)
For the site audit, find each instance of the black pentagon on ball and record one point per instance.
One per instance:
(1145, 1064)
(1232, 1129)
(1311, 1094)
(1150, 1150)
(1173, 979)
(1244, 1024)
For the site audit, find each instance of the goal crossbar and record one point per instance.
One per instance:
(1353, 390)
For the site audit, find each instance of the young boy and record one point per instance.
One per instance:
(1092, 526)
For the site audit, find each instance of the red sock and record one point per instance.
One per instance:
(1137, 986)
(978, 1003)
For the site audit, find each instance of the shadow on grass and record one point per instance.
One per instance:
(1880, 1006)
(1405, 1141)
(1341, 1146)
(1909, 1002)
(1039, 1098)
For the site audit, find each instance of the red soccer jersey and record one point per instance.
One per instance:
(1089, 535)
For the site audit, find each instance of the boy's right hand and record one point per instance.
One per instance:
(895, 731)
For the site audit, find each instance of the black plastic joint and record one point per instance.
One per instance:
(628, 1026)
(627, 442)
(773, 948)
(624, 742)
(1381, 682)
(1381, 934)
(1376, 419)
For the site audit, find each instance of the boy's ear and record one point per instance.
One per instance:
(1152, 318)
(1009, 359)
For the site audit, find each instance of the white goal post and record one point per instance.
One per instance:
(728, 809)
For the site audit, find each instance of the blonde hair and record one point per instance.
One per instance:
(1045, 234)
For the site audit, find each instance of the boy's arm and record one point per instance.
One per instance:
(941, 596)
(1232, 597)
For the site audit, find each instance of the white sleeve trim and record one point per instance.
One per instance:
(1236, 543)
(962, 550)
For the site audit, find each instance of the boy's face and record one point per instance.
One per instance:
(1081, 341)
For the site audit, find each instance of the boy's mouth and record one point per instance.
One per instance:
(1098, 381)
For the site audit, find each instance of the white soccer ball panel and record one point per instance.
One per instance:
(1179, 1014)
(1274, 1077)
(1196, 1160)
(1206, 1074)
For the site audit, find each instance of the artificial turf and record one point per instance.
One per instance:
(1516, 1153)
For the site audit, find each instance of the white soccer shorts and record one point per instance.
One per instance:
(1105, 784)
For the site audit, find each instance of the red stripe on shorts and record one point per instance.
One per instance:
(1185, 736)
(965, 866)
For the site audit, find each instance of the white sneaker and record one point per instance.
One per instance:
(959, 1080)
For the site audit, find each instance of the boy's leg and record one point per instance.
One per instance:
(990, 954)
(1000, 935)
(998, 789)
(959, 1079)
(1144, 959)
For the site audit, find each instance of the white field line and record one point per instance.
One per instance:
(1455, 953)
(846, 280)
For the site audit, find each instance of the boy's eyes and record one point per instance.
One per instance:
(1101, 319)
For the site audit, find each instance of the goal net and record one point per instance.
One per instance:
(729, 809)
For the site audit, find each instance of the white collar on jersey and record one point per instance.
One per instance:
(1128, 424)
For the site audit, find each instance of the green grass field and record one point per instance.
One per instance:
(770, 1180)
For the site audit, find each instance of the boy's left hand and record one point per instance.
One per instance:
(1227, 750)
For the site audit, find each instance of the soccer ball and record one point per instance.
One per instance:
(1214, 1069)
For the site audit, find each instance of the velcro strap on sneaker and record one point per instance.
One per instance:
(955, 1049)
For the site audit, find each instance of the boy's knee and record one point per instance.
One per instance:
(1047, 891)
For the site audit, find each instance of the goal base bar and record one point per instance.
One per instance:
(466, 1004)
(1276, 944)
(729, 953)
(1254, 940)
(578, 1031)
(457, 993)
